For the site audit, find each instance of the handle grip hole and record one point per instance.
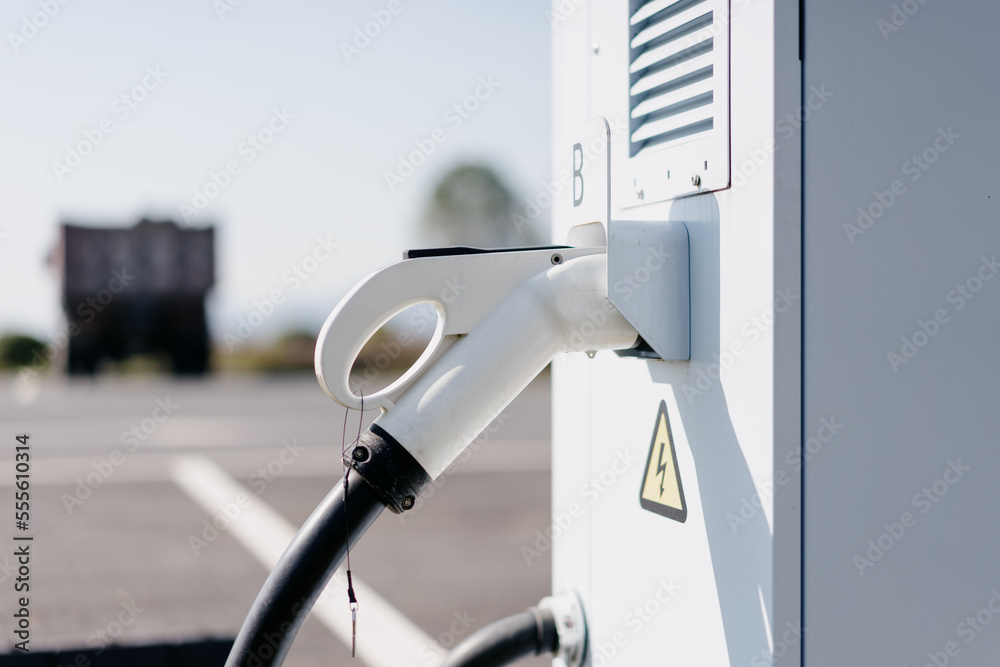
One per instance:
(394, 348)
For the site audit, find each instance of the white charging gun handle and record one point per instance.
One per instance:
(514, 311)
(562, 309)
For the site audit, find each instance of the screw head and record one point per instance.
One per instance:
(407, 502)
(557, 258)
(696, 180)
(360, 453)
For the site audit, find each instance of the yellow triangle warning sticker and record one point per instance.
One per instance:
(661, 490)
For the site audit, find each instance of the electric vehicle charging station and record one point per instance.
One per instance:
(812, 151)
(778, 448)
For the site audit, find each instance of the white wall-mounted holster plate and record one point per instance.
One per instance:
(649, 283)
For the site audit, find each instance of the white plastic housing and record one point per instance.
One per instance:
(562, 309)
(462, 288)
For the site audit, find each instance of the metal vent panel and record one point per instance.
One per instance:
(678, 90)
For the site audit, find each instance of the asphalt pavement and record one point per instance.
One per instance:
(130, 479)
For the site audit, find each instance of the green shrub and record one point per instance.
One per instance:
(17, 350)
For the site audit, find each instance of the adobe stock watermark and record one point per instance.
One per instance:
(545, 197)
(789, 638)
(915, 168)
(923, 501)
(247, 151)
(32, 24)
(454, 117)
(751, 331)
(641, 615)
(751, 507)
(631, 283)
(786, 127)
(7, 569)
(295, 276)
(419, 321)
(139, 433)
(121, 108)
(430, 652)
(958, 298)
(562, 11)
(271, 642)
(590, 491)
(967, 630)
(365, 34)
(469, 452)
(566, 8)
(86, 309)
(266, 474)
(224, 7)
(229, 512)
(899, 16)
(581, 335)
(111, 633)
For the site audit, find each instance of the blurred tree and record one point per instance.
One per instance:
(17, 350)
(294, 351)
(472, 206)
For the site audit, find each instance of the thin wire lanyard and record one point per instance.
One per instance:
(351, 597)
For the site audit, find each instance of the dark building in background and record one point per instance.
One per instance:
(137, 290)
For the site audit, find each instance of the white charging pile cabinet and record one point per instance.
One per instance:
(811, 477)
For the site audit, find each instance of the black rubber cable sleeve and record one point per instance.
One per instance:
(302, 573)
(508, 640)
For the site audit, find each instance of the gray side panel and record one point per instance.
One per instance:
(910, 136)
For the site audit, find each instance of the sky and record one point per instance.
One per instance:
(116, 110)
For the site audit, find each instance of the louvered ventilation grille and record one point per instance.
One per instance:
(671, 78)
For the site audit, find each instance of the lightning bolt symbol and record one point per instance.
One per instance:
(661, 468)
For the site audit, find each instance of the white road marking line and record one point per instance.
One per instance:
(265, 534)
